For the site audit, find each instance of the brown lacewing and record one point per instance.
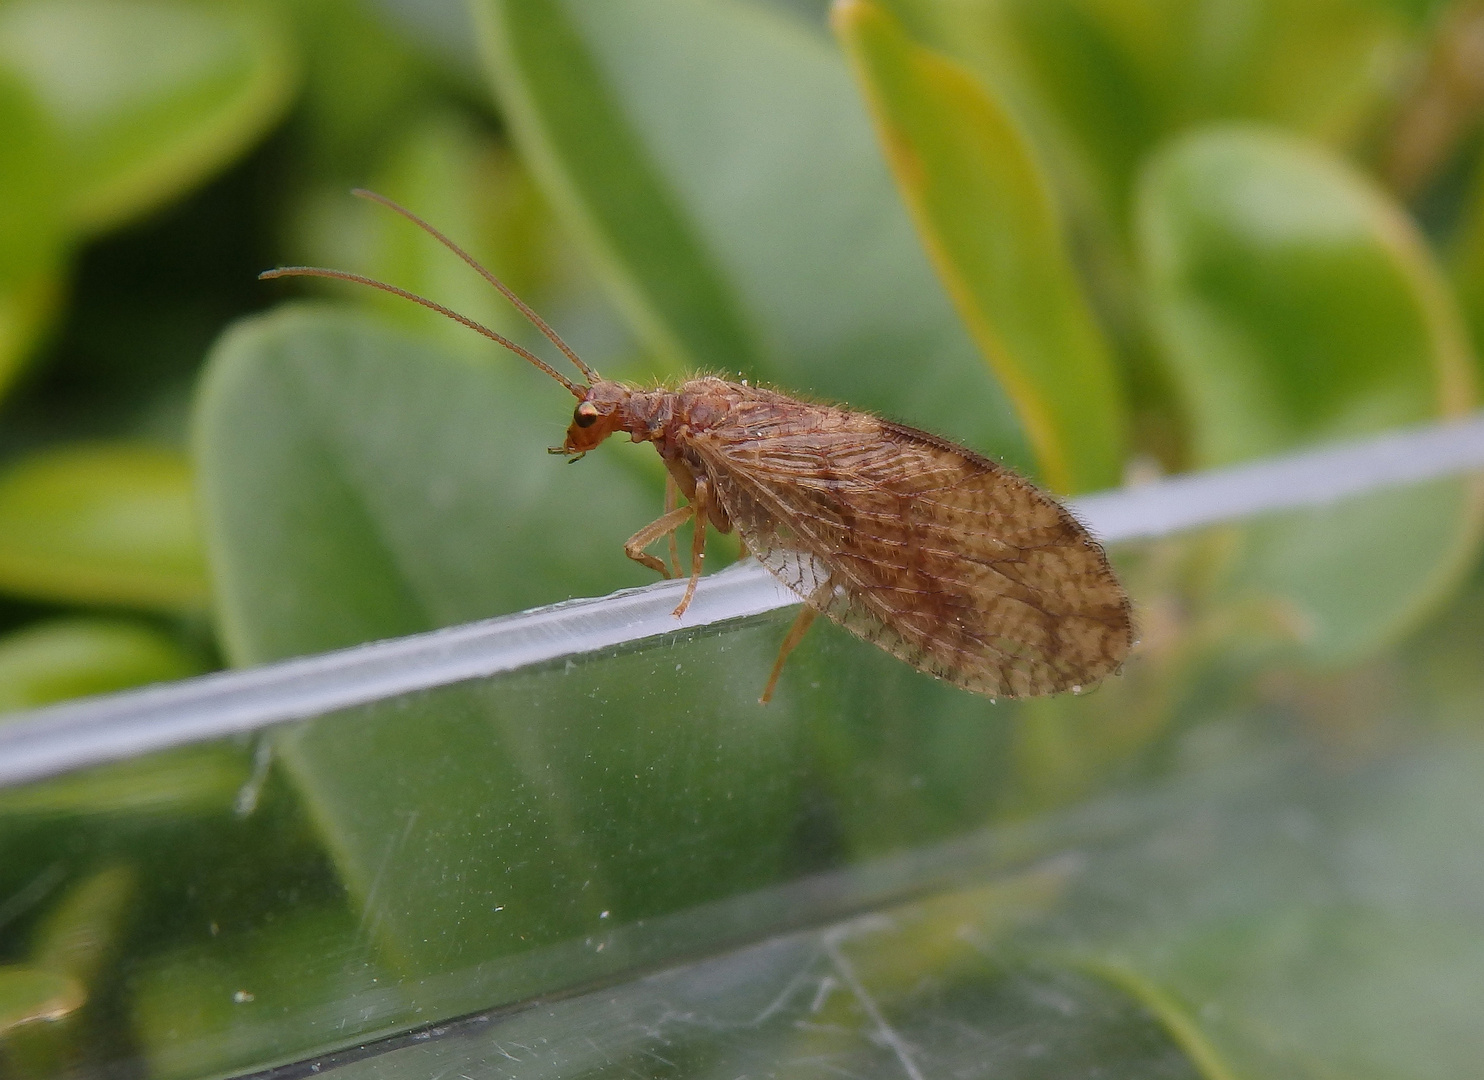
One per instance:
(942, 558)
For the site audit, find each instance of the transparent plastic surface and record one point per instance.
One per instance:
(877, 874)
(1241, 857)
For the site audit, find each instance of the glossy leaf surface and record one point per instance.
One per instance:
(194, 780)
(715, 160)
(1468, 262)
(29, 994)
(1294, 302)
(426, 477)
(31, 231)
(147, 97)
(988, 220)
(101, 523)
(66, 658)
(595, 166)
(1111, 80)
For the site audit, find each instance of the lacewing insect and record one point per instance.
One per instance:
(941, 557)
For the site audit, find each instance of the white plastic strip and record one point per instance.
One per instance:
(1312, 478)
(50, 741)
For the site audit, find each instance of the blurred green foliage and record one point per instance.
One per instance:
(1092, 238)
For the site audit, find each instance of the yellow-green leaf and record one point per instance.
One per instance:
(596, 168)
(74, 939)
(208, 779)
(988, 220)
(463, 180)
(1295, 303)
(73, 657)
(148, 96)
(1110, 80)
(102, 524)
(31, 234)
(76, 934)
(29, 994)
(1468, 261)
(717, 160)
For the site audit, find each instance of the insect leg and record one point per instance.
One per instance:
(672, 496)
(791, 640)
(667, 523)
(700, 506)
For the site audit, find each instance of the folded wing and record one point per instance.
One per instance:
(943, 558)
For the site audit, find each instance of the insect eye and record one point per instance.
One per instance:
(586, 415)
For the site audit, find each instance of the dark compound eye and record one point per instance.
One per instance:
(586, 415)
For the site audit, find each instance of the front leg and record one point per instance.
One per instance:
(700, 505)
(666, 524)
(672, 496)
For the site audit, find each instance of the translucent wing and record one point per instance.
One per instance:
(942, 558)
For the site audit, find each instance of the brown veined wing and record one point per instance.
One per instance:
(944, 559)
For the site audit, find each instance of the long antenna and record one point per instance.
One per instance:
(500, 339)
(536, 320)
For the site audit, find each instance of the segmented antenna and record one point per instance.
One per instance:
(500, 339)
(520, 305)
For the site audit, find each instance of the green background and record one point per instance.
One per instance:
(1099, 240)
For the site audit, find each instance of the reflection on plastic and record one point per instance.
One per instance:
(1027, 953)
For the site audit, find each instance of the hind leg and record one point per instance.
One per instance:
(672, 496)
(807, 614)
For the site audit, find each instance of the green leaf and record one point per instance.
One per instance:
(1295, 300)
(718, 164)
(102, 524)
(76, 938)
(989, 223)
(148, 97)
(358, 484)
(595, 167)
(29, 994)
(77, 934)
(195, 780)
(246, 1000)
(1111, 80)
(472, 189)
(31, 235)
(1298, 918)
(984, 1014)
(342, 119)
(1174, 1016)
(66, 658)
(1467, 263)
(1296, 303)
(399, 488)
